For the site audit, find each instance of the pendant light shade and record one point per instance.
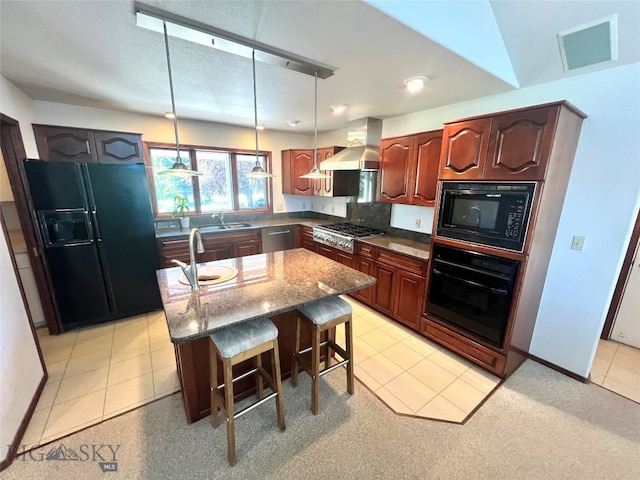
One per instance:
(315, 172)
(178, 168)
(257, 171)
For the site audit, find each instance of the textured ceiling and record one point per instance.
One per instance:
(92, 53)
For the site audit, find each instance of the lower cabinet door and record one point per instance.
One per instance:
(325, 251)
(409, 299)
(249, 247)
(385, 294)
(365, 265)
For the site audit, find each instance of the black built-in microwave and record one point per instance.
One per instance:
(494, 214)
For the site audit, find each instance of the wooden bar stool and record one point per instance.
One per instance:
(323, 316)
(233, 345)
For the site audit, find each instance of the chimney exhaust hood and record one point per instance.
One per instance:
(363, 147)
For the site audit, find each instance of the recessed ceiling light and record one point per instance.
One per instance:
(259, 127)
(169, 114)
(415, 84)
(293, 123)
(339, 108)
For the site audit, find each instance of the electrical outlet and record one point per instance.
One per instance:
(323, 206)
(333, 209)
(304, 205)
(577, 243)
(418, 222)
(279, 207)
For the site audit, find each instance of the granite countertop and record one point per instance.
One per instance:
(405, 246)
(267, 284)
(309, 222)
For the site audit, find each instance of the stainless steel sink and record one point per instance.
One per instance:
(219, 227)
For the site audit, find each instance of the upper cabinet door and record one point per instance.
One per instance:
(520, 144)
(65, 144)
(302, 161)
(396, 162)
(327, 183)
(120, 148)
(464, 151)
(428, 147)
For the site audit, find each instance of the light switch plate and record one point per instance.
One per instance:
(418, 222)
(577, 243)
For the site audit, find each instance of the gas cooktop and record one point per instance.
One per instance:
(342, 235)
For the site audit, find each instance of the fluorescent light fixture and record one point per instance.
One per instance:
(339, 108)
(415, 84)
(153, 18)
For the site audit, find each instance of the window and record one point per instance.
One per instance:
(223, 185)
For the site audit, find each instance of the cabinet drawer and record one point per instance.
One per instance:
(365, 250)
(478, 354)
(404, 262)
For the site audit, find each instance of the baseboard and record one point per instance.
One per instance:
(560, 369)
(14, 447)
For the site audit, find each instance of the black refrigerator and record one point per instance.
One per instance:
(96, 233)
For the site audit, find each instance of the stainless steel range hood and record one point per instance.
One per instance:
(363, 147)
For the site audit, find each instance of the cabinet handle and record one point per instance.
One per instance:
(280, 233)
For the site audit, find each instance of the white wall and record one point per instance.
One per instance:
(601, 203)
(16, 104)
(21, 370)
(160, 129)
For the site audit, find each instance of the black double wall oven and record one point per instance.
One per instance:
(469, 290)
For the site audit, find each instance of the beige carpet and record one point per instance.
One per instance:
(538, 425)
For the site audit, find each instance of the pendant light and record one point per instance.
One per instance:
(178, 168)
(257, 171)
(315, 172)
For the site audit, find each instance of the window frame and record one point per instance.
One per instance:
(190, 151)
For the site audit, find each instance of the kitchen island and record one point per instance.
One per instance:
(267, 285)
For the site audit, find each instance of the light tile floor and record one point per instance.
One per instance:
(102, 371)
(616, 367)
(411, 374)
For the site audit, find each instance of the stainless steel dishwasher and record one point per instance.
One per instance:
(275, 239)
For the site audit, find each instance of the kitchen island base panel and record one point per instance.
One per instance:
(194, 372)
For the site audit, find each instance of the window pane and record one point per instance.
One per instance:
(168, 186)
(252, 192)
(215, 183)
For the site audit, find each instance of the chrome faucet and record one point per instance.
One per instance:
(191, 271)
(219, 216)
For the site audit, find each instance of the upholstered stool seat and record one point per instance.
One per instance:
(323, 316)
(235, 344)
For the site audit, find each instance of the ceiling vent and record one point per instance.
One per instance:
(589, 44)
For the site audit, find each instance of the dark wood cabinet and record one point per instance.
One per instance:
(119, 148)
(68, 144)
(326, 251)
(409, 168)
(217, 246)
(365, 265)
(401, 288)
(464, 149)
(509, 146)
(410, 295)
(396, 156)
(305, 239)
(520, 143)
(384, 297)
(427, 162)
(529, 144)
(294, 164)
(299, 162)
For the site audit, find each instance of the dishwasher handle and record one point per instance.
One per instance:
(281, 232)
